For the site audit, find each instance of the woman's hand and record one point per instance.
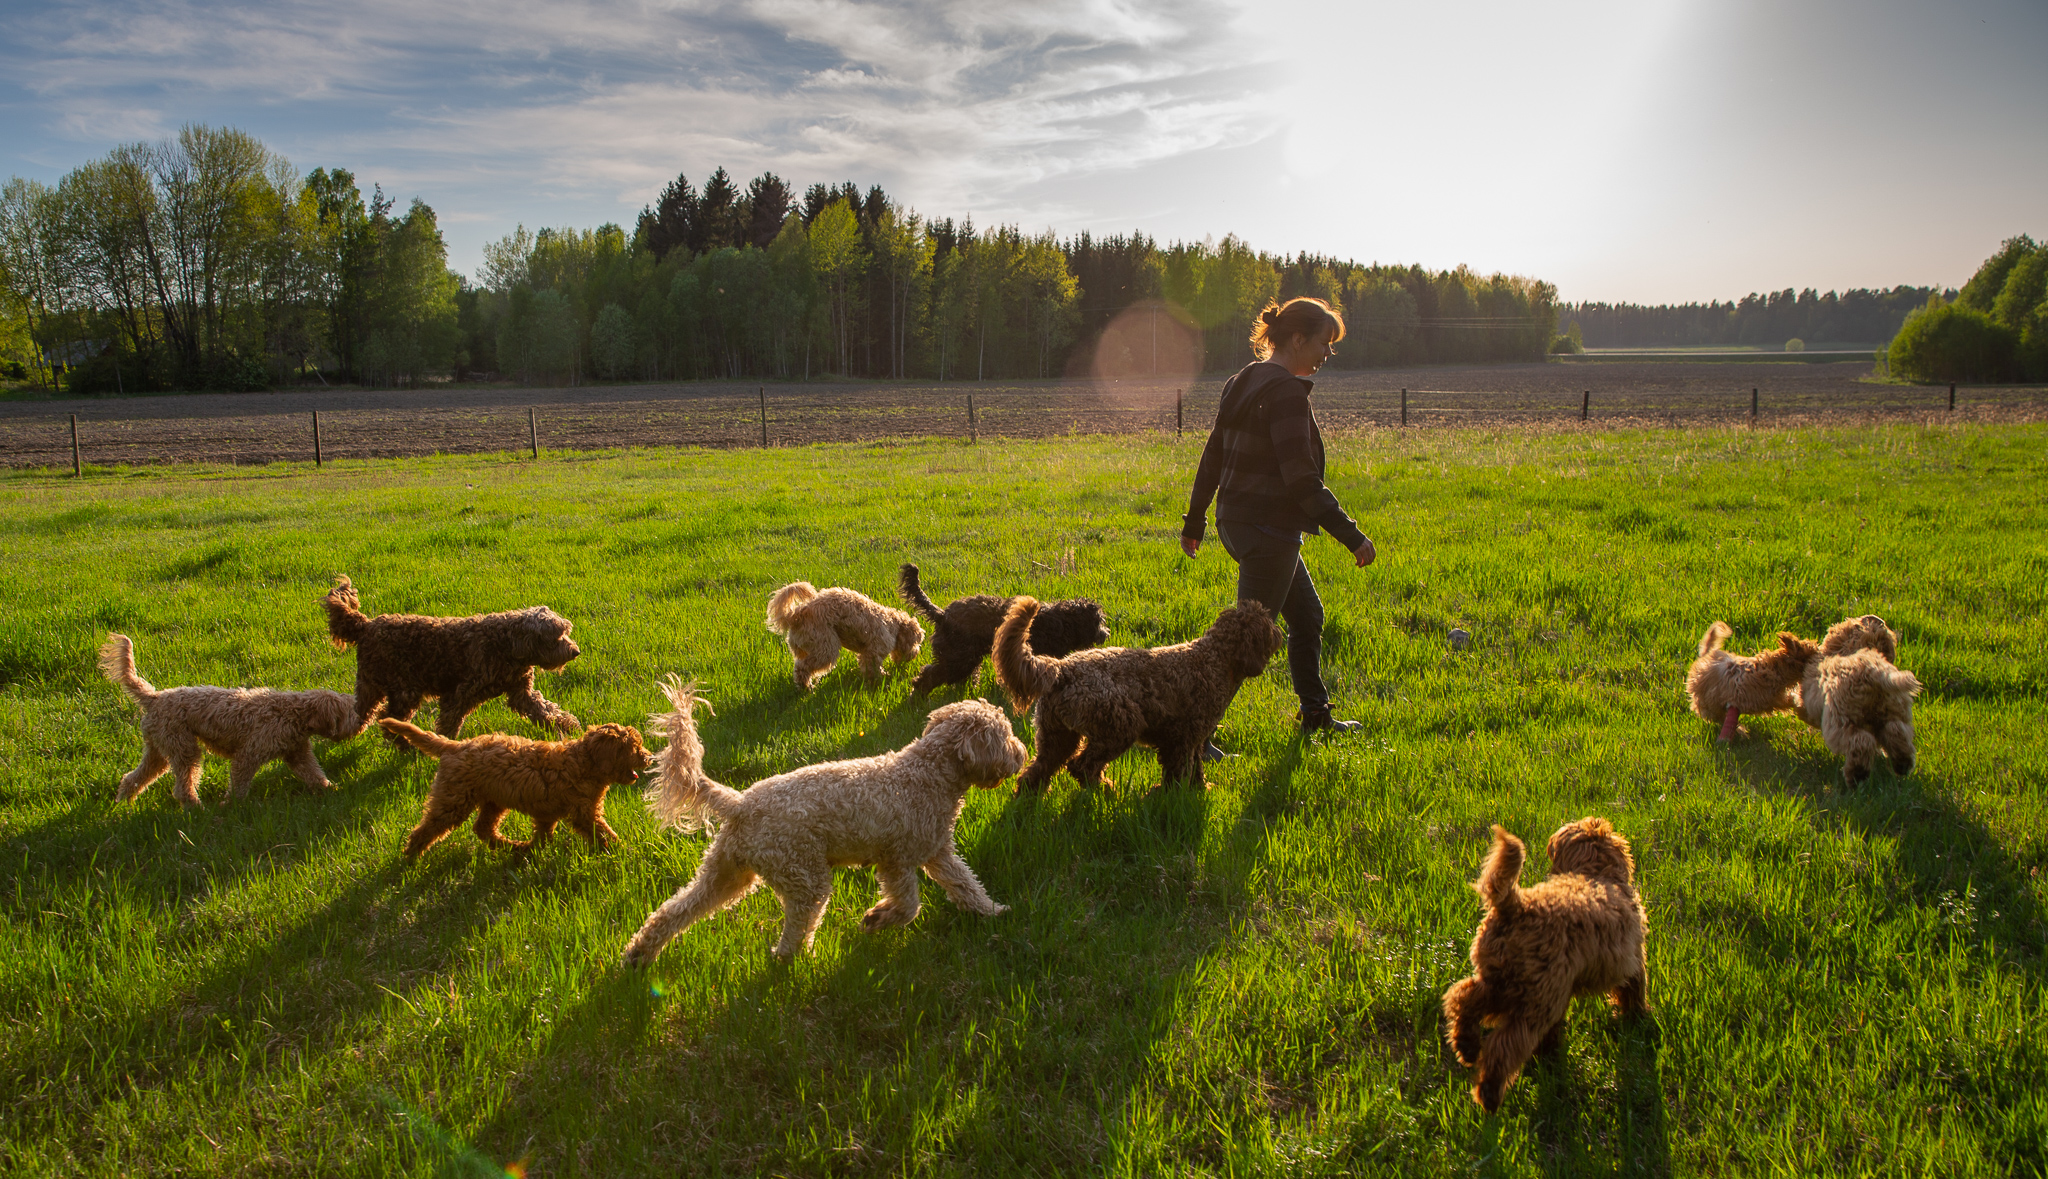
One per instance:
(1189, 544)
(1364, 554)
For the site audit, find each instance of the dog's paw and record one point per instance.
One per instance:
(567, 723)
(883, 917)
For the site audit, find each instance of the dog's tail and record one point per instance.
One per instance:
(788, 604)
(345, 618)
(117, 661)
(1716, 635)
(681, 795)
(432, 744)
(913, 593)
(1024, 675)
(1501, 874)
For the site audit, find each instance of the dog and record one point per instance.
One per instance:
(1723, 687)
(818, 622)
(1580, 932)
(1859, 700)
(1170, 698)
(401, 659)
(248, 726)
(547, 781)
(895, 811)
(964, 632)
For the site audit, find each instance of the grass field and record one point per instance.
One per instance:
(1238, 981)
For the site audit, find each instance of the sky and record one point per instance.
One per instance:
(1625, 150)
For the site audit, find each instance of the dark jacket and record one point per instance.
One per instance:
(1264, 462)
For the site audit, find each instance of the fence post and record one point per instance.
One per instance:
(1951, 398)
(316, 437)
(1177, 420)
(970, 417)
(763, 393)
(532, 432)
(1585, 405)
(74, 446)
(1404, 407)
(1752, 406)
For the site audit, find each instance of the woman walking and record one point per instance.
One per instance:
(1264, 467)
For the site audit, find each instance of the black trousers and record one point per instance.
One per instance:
(1270, 571)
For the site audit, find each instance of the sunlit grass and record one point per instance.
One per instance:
(1239, 980)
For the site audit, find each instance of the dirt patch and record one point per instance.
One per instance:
(267, 427)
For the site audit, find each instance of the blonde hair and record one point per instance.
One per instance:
(1303, 316)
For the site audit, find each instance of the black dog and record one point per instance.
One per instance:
(964, 633)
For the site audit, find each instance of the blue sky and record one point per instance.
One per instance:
(1647, 150)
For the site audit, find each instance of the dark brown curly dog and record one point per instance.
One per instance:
(1580, 932)
(547, 781)
(1170, 698)
(964, 632)
(401, 659)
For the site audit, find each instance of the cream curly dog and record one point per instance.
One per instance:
(895, 811)
(1724, 687)
(248, 726)
(1580, 932)
(1859, 700)
(818, 622)
(547, 781)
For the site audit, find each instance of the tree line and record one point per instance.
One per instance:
(1994, 329)
(1861, 317)
(207, 261)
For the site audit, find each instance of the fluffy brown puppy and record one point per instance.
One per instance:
(547, 781)
(402, 659)
(964, 632)
(818, 622)
(1170, 698)
(248, 726)
(895, 811)
(1580, 932)
(1859, 700)
(1723, 687)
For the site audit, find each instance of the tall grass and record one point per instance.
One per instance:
(1242, 980)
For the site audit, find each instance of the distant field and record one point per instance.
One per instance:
(263, 427)
(1238, 981)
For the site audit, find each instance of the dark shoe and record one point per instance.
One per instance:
(1320, 721)
(1210, 752)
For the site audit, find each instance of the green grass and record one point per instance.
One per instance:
(1239, 981)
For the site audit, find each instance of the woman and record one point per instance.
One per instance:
(1264, 466)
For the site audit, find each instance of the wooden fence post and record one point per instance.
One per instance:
(1585, 405)
(532, 432)
(1404, 407)
(1177, 419)
(1752, 406)
(762, 391)
(970, 417)
(1951, 398)
(74, 447)
(316, 438)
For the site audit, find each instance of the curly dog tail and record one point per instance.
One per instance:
(788, 605)
(345, 618)
(681, 795)
(1498, 883)
(913, 593)
(1716, 635)
(1023, 675)
(432, 744)
(117, 661)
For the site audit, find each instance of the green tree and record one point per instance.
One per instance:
(614, 343)
(1952, 342)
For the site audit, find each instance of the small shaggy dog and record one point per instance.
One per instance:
(547, 781)
(895, 811)
(1580, 932)
(1170, 698)
(964, 632)
(1723, 687)
(818, 622)
(1858, 700)
(248, 726)
(401, 659)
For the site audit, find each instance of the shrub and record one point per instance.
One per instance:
(1795, 344)
(1570, 343)
(1951, 342)
(2034, 346)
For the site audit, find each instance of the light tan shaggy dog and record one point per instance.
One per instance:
(547, 781)
(1858, 700)
(818, 622)
(1724, 687)
(1580, 932)
(248, 726)
(895, 811)
(1170, 698)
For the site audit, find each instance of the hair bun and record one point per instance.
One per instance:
(1270, 316)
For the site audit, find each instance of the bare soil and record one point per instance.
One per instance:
(372, 423)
